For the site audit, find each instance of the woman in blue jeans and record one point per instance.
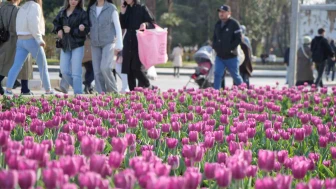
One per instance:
(72, 26)
(30, 28)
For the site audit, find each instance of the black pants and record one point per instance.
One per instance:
(320, 69)
(176, 71)
(330, 68)
(139, 75)
(89, 74)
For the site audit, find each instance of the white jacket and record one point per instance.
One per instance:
(30, 21)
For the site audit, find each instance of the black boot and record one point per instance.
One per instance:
(87, 89)
(2, 91)
(16, 84)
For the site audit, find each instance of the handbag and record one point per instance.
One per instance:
(4, 34)
(59, 44)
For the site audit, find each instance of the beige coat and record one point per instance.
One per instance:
(304, 64)
(8, 49)
(177, 54)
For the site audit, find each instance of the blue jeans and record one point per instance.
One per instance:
(23, 47)
(71, 68)
(232, 65)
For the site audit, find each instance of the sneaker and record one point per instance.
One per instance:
(50, 93)
(8, 93)
(60, 89)
(27, 94)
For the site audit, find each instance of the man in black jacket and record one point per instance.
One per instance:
(227, 37)
(321, 51)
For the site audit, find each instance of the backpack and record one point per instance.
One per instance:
(318, 53)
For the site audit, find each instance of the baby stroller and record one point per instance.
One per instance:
(204, 72)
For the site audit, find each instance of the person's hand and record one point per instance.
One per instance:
(42, 44)
(66, 29)
(333, 58)
(142, 26)
(123, 7)
(60, 34)
(116, 51)
(81, 27)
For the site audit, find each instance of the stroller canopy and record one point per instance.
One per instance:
(205, 53)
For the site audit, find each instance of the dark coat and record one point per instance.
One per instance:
(8, 49)
(321, 49)
(131, 21)
(75, 38)
(246, 66)
(227, 38)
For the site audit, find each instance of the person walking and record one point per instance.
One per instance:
(106, 41)
(30, 28)
(71, 26)
(118, 68)
(227, 37)
(321, 51)
(246, 69)
(304, 64)
(178, 61)
(8, 14)
(134, 16)
(87, 63)
(331, 64)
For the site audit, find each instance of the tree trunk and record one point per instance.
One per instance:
(235, 10)
(170, 29)
(151, 4)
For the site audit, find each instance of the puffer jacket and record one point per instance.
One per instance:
(75, 38)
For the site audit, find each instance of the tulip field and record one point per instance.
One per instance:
(262, 138)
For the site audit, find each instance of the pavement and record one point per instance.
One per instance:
(166, 80)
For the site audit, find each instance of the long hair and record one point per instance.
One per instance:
(79, 5)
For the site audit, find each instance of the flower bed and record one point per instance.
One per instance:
(263, 138)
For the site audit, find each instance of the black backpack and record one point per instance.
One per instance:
(4, 33)
(317, 52)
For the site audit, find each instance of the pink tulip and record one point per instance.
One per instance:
(165, 128)
(266, 160)
(221, 157)
(323, 141)
(219, 136)
(251, 171)
(119, 145)
(193, 136)
(99, 164)
(171, 143)
(53, 178)
(209, 142)
(89, 180)
(209, 170)
(299, 169)
(316, 183)
(299, 134)
(161, 169)
(174, 162)
(282, 156)
(69, 186)
(223, 176)
(192, 178)
(115, 160)
(238, 168)
(8, 179)
(112, 132)
(333, 152)
(330, 183)
(125, 179)
(27, 179)
(265, 183)
(302, 186)
(283, 181)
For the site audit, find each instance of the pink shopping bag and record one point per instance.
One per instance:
(152, 45)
